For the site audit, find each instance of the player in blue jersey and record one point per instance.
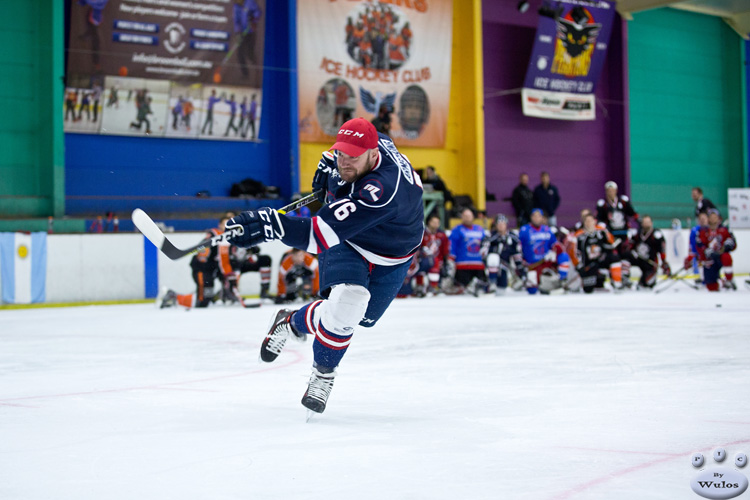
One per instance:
(542, 255)
(692, 258)
(94, 18)
(246, 16)
(365, 237)
(503, 248)
(466, 241)
(232, 113)
(210, 103)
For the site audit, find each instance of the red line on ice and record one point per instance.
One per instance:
(645, 465)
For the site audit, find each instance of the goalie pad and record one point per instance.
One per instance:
(549, 281)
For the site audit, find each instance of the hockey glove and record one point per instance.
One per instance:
(521, 271)
(665, 268)
(256, 227)
(320, 180)
(688, 261)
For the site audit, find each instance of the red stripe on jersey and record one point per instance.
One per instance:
(471, 266)
(319, 239)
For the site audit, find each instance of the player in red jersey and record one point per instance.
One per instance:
(713, 245)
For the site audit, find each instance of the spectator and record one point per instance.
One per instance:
(702, 205)
(523, 200)
(382, 122)
(547, 198)
(433, 179)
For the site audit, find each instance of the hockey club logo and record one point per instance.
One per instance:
(175, 41)
(373, 102)
(373, 190)
(576, 37)
(718, 482)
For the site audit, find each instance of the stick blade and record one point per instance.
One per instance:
(150, 230)
(148, 227)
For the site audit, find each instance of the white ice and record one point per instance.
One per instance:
(516, 397)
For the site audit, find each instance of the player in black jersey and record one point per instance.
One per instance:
(595, 252)
(615, 211)
(647, 250)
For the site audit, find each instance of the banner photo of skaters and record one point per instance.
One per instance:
(378, 60)
(139, 106)
(569, 51)
(165, 63)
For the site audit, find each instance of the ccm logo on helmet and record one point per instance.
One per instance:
(351, 132)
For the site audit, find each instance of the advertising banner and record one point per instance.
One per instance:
(738, 200)
(165, 67)
(569, 51)
(383, 60)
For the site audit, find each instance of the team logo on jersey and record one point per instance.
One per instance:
(175, 41)
(372, 191)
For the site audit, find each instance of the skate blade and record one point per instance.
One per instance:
(309, 416)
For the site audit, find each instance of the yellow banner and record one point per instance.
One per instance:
(388, 61)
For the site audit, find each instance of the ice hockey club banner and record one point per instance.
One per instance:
(362, 58)
(569, 51)
(23, 267)
(169, 68)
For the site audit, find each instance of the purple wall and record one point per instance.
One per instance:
(580, 156)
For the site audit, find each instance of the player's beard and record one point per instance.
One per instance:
(352, 176)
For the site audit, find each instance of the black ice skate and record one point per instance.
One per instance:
(318, 391)
(281, 329)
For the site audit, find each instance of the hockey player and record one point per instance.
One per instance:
(616, 211)
(648, 249)
(298, 276)
(713, 245)
(503, 248)
(595, 252)
(466, 251)
(539, 251)
(433, 253)
(692, 258)
(365, 237)
(207, 265)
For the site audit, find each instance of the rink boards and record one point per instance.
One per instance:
(111, 267)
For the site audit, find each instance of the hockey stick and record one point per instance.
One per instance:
(672, 280)
(150, 230)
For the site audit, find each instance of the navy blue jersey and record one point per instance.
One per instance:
(379, 215)
(507, 246)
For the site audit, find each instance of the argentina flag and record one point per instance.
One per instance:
(23, 267)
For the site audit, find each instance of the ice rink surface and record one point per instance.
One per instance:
(516, 397)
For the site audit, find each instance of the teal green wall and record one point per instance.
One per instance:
(686, 121)
(31, 92)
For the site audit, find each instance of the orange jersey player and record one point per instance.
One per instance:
(207, 265)
(298, 276)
